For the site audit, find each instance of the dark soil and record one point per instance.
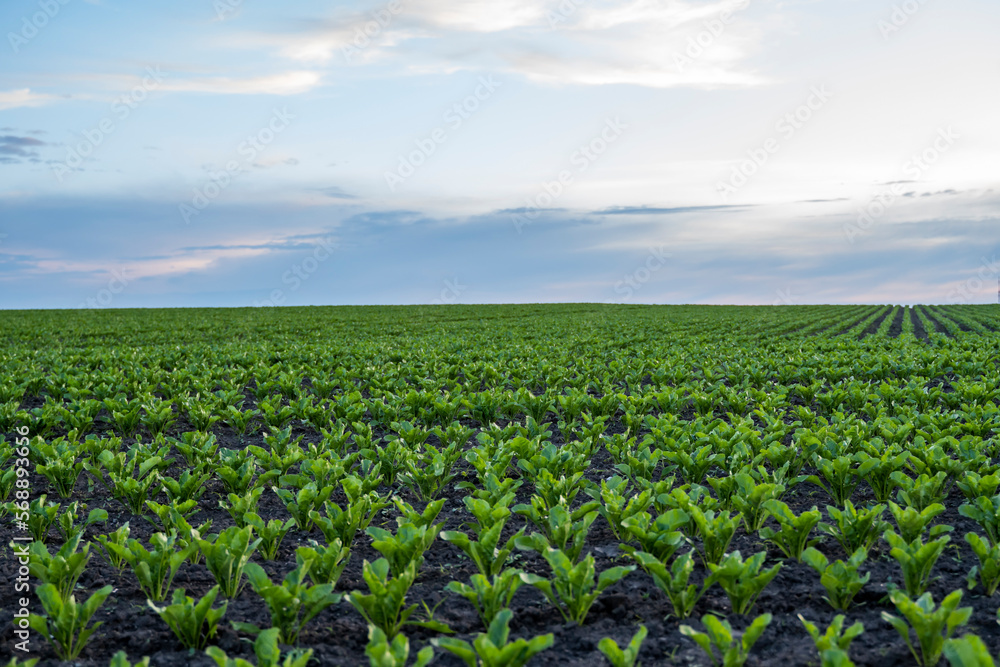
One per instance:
(933, 320)
(856, 322)
(873, 327)
(918, 327)
(896, 327)
(338, 635)
(833, 324)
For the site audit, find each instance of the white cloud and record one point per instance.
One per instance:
(479, 15)
(12, 99)
(576, 42)
(287, 83)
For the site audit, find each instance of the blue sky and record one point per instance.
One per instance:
(229, 153)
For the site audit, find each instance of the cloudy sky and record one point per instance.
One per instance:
(230, 153)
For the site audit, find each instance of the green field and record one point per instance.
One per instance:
(396, 477)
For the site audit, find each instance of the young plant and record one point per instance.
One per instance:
(118, 537)
(133, 476)
(326, 564)
(236, 471)
(67, 525)
(383, 653)
(742, 580)
(65, 623)
(404, 548)
(718, 636)
(855, 529)
(488, 595)
(835, 642)
(792, 537)
(41, 516)
(63, 569)
(241, 505)
(972, 485)
(989, 563)
(716, 532)
(561, 528)
(267, 651)
(159, 415)
(240, 420)
(573, 589)
(660, 538)
(968, 651)
(913, 523)
(155, 568)
(308, 499)
(489, 555)
(161, 513)
(385, 605)
(189, 486)
(840, 579)
(674, 582)
(227, 556)
(840, 475)
(197, 447)
(986, 512)
(292, 603)
(750, 499)
(430, 470)
(927, 622)
(271, 533)
(627, 658)
(921, 492)
(357, 514)
(194, 623)
(30, 662)
(619, 504)
(61, 464)
(877, 463)
(916, 559)
(493, 648)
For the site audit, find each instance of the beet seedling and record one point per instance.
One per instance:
(227, 556)
(832, 645)
(855, 529)
(271, 533)
(932, 626)
(194, 623)
(573, 589)
(742, 580)
(65, 623)
(840, 578)
(618, 504)
(623, 658)
(489, 555)
(385, 604)
(326, 564)
(383, 653)
(660, 537)
(989, 563)
(718, 636)
(62, 569)
(493, 648)
(292, 603)
(916, 559)
(673, 582)
(488, 594)
(267, 651)
(986, 512)
(792, 537)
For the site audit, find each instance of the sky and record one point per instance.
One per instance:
(257, 153)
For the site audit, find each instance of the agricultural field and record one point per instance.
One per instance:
(501, 485)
